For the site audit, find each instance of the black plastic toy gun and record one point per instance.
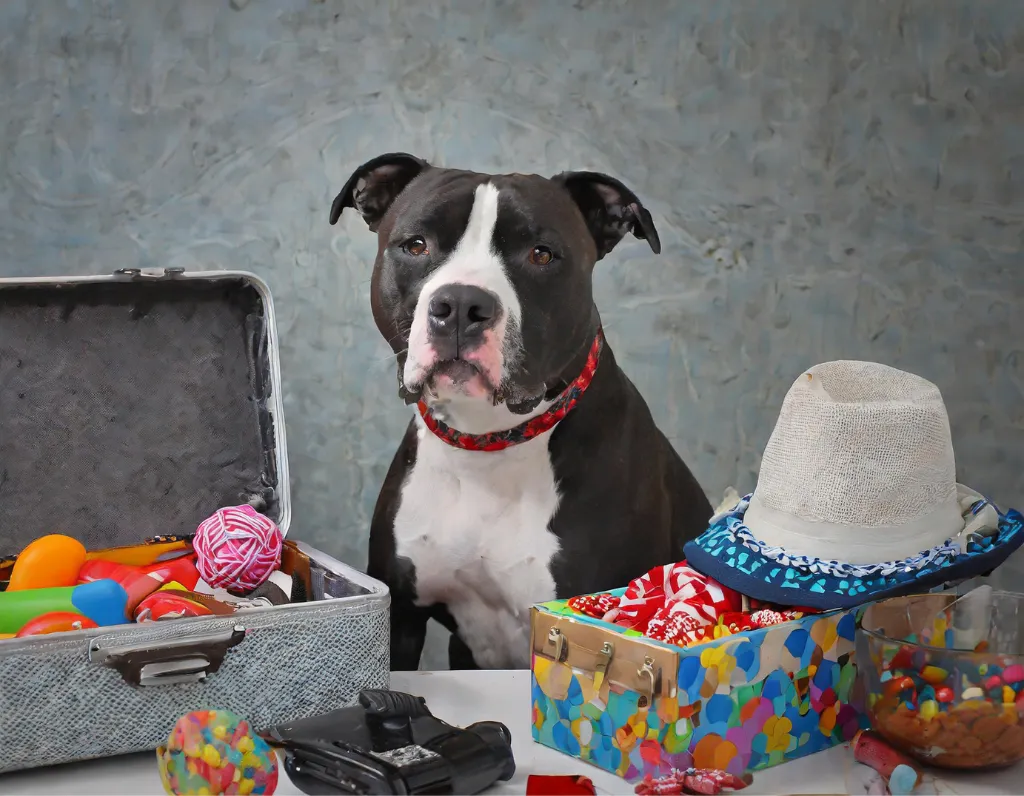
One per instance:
(390, 743)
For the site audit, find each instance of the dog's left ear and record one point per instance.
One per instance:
(375, 185)
(609, 208)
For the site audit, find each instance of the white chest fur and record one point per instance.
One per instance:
(475, 525)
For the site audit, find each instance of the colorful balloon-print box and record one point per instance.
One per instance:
(634, 706)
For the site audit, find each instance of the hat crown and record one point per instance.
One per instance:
(860, 444)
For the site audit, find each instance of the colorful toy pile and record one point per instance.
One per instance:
(216, 752)
(54, 585)
(677, 605)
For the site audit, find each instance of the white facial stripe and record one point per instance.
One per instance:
(473, 262)
(480, 228)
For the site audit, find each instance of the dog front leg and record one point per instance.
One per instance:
(460, 656)
(408, 635)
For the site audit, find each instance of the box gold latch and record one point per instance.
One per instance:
(555, 637)
(602, 654)
(649, 682)
(604, 657)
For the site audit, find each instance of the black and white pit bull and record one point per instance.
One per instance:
(532, 469)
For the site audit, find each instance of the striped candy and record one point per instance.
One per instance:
(595, 605)
(675, 589)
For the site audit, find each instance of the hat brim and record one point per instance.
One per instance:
(719, 554)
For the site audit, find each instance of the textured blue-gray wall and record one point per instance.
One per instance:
(830, 179)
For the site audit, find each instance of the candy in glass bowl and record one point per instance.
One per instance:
(943, 676)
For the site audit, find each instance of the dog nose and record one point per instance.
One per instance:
(463, 312)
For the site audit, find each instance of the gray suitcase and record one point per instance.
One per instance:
(132, 406)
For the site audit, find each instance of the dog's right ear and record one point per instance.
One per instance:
(375, 185)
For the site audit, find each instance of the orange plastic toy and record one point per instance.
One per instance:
(48, 562)
(138, 555)
(55, 622)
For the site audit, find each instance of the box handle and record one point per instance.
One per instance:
(171, 662)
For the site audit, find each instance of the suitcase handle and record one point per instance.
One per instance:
(179, 660)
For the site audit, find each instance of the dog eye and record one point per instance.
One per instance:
(541, 255)
(417, 247)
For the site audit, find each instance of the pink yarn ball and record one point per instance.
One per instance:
(237, 548)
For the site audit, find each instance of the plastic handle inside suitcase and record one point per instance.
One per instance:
(169, 662)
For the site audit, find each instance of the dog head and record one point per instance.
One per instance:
(482, 283)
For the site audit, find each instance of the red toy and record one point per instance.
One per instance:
(140, 582)
(55, 622)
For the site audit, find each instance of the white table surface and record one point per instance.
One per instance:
(465, 697)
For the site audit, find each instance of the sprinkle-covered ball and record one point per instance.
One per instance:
(237, 548)
(216, 752)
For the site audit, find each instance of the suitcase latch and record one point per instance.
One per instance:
(150, 273)
(170, 662)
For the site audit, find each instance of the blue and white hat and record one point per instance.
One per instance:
(856, 498)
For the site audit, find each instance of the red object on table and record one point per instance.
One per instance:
(870, 749)
(706, 781)
(543, 785)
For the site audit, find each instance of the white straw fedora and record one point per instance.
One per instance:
(856, 498)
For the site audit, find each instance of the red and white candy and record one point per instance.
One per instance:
(595, 605)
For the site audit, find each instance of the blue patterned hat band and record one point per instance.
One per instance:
(730, 553)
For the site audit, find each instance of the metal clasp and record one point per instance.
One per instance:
(646, 673)
(150, 273)
(604, 657)
(555, 637)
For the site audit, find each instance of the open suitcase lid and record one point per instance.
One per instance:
(135, 405)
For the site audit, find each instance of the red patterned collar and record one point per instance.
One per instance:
(499, 440)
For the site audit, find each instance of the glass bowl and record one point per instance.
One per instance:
(943, 676)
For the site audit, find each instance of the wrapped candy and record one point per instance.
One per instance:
(676, 604)
(692, 780)
(766, 617)
(672, 603)
(596, 605)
